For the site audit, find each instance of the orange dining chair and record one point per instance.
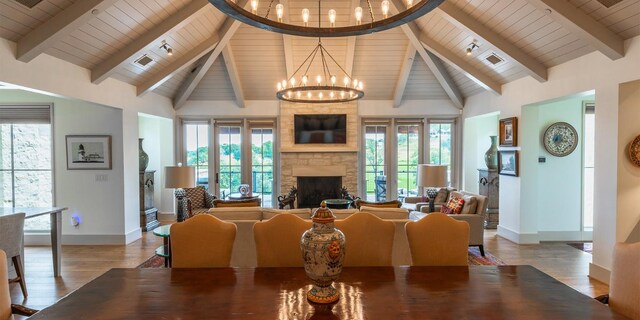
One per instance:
(624, 285)
(278, 240)
(6, 308)
(202, 241)
(369, 239)
(438, 240)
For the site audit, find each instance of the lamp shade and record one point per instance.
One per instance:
(430, 175)
(179, 177)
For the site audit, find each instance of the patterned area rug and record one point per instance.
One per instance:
(474, 259)
(584, 246)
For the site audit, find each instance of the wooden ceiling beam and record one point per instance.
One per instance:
(584, 26)
(133, 49)
(405, 71)
(55, 29)
(435, 65)
(232, 70)
(461, 64)
(464, 21)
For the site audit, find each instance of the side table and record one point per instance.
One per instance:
(164, 250)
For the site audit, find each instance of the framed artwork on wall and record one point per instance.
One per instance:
(509, 132)
(508, 163)
(88, 152)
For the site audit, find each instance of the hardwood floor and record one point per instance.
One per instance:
(81, 264)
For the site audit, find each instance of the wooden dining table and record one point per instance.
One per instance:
(474, 292)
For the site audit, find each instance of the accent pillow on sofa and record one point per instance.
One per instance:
(453, 206)
(470, 202)
(196, 196)
(442, 195)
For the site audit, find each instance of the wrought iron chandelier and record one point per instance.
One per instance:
(325, 87)
(265, 15)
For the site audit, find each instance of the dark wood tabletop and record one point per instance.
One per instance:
(476, 292)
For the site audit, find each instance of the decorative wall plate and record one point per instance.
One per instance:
(634, 151)
(560, 139)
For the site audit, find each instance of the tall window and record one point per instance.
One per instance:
(440, 145)
(375, 170)
(408, 157)
(229, 158)
(26, 175)
(197, 149)
(262, 164)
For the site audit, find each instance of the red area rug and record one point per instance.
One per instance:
(474, 259)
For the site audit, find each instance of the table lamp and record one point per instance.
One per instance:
(179, 177)
(431, 177)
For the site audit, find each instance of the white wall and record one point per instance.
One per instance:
(593, 71)
(476, 141)
(158, 143)
(628, 222)
(558, 180)
(99, 204)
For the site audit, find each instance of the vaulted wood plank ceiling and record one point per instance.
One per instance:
(217, 58)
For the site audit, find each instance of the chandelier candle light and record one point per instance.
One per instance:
(380, 16)
(325, 87)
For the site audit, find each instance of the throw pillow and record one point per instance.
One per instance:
(453, 206)
(470, 202)
(442, 196)
(196, 196)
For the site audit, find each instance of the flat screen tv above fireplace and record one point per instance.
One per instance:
(320, 128)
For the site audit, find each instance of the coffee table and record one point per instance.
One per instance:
(164, 250)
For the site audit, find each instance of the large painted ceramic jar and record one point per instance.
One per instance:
(323, 248)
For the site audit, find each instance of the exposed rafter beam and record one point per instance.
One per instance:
(226, 31)
(435, 65)
(182, 62)
(134, 48)
(401, 84)
(61, 25)
(462, 20)
(583, 26)
(230, 63)
(461, 65)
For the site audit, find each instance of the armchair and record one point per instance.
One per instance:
(197, 200)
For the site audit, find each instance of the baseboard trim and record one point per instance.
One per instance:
(166, 216)
(83, 239)
(599, 273)
(519, 238)
(565, 235)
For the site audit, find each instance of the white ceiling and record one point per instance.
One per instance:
(217, 58)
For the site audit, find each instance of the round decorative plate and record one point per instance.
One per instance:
(634, 151)
(560, 139)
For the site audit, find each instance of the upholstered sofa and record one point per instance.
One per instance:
(416, 203)
(244, 249)
(471, 213)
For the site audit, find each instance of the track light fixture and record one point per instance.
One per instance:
(473, 46)
(166, 48)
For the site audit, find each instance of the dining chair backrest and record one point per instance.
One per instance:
(202, 241)
(369, 240)
(438, 240)
(624, 285)
(5, 298)
(12, 234)
(278, 240)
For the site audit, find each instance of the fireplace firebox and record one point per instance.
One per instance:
(312, 190)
